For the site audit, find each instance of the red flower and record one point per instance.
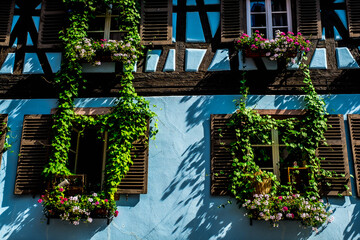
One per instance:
(40, 200)
(280, 197)
(106, 200)
(61, 189)
(62, 201)
(116, 213)
(42, 196)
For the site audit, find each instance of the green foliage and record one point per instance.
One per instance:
(301, 136)
(128, 120)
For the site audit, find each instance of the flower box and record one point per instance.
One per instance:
(253, 54)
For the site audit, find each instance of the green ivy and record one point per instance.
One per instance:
(128, 119)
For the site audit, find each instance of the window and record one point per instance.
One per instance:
(87, 156)
(275, 157)
(267, 16)
(105, 25)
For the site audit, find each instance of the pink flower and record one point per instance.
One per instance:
(307, 41)
(116, 213)
(40, 200)
(106, 200)
(65, 199)
(96, 203)
(257, 31)
(268, 54)
(299, 33)
(42, 196)
(307, 49)
(62, 201)
(283, 34)
(280, 197)
(285, 209)
(61, 189)
(297, 44)
(102, 45)
(256, 39)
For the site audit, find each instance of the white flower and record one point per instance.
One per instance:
(90, 200)
(94, 194)
(89, 220)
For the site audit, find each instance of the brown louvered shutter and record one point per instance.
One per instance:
(51, 22)
(230, 20)
(156, 22)
(221, 160)
(135, 181)
(354, 127)
(33, 154)
(353, 10)
(3, 131)
(6, 15)
(335, 157)
(308, 18)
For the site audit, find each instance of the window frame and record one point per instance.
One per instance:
(268, 16)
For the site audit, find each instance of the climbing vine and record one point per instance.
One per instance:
(128, 118)
(302, 135)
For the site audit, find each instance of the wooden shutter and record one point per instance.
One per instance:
(135, 181)
(335, 157)
(230, 20)
(3, 131)
(354, 127)
(156, 22)
(6, 15)
(308, 18)
(51, 22)
(33, 154)
(221, 160)
(353, 10)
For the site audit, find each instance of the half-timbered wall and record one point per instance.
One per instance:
(196, 60)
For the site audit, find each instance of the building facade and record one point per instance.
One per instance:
(191, 74)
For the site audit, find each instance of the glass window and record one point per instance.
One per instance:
(267, 16)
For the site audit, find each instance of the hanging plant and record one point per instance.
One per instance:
(285, 45)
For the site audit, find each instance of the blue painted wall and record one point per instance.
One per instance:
(178, 204)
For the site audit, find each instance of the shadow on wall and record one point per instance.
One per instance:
(352, 230)
(205, 219)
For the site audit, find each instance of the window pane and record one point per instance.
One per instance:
(263, 157)
(278, 5)
(258, 20)
(279, 19)
(114, 23)
(257, 6)
(117, 35)
(90, 158)
(96, 35)
(97, 24)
